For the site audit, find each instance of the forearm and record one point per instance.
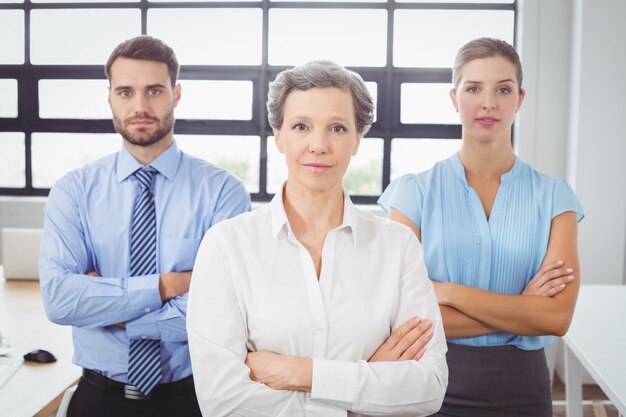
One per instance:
(86, 301)
(518, 314)
(408, 387)
(167, 324)
(227, 390)
(457, 324)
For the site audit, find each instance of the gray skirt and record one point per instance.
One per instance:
(500, 381)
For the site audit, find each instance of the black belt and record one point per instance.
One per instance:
(161, 391)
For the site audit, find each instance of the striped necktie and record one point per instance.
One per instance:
(144, 357)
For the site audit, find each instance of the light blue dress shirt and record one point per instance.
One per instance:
(87, 228)
(500, 254)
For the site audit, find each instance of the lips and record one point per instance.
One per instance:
(317, 166)
(487, 121)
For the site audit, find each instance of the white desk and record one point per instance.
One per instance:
(35, 388)
(596, 341)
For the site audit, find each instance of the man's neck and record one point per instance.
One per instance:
(146, 154)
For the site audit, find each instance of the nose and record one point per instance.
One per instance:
(318, 142)
(489, 103)
(141, 104)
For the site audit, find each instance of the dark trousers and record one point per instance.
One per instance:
(90, 401)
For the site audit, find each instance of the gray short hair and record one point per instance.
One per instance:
(320, 74)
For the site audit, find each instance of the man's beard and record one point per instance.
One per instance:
(139, 137)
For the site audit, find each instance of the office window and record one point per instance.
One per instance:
(68, 151)
(237, 154)
(414, 155)
(55, 116)
(79, 36)
(426, 103)
(73, 99)
(421, 40)
(11, 27)
(351, 37)
(215, 100)
(12, 161)
(210, 36)
(8, 98)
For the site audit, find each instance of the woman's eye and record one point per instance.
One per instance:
(504, 90)
(472, 89)
(300, 127)
(338, 129)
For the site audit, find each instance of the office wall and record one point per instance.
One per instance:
(571, 124)
(597, 138)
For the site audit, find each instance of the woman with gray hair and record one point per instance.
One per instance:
(305, 306)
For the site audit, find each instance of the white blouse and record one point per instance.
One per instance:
(254, 287)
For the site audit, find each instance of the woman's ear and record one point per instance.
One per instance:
(277, 141)
(522, 94)
(453, 98)
(356, 145)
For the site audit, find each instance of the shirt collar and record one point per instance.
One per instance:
(280, 222)
(167, 163)
(508, 176)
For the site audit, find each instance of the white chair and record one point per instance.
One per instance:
(65, 401)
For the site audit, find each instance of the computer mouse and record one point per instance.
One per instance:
(40, 356)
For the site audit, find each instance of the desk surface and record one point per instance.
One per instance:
(24, 323)
(597, 336)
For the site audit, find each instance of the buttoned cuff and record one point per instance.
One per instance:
(144, 327)
(335, 380)
(143, 294)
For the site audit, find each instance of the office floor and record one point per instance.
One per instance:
(592, 393)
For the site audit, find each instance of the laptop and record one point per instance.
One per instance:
(20, 253)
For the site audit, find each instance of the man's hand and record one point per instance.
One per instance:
(174, 284)
(550, 280)
(407, 342)
(280, 372)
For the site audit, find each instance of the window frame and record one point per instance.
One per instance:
(388, 79)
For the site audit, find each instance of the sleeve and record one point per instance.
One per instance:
(400, 388)
(217, 341)
(232, 201)
(564, 200)
(404, 195)
(169, 322)
(70, 296)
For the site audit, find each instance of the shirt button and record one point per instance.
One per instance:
(147, 309)
(144, 336)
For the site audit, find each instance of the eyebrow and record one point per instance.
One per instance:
(508, 80)
(149, 87)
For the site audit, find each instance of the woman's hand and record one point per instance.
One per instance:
(407, 342)
(550, 280)
(280, 372)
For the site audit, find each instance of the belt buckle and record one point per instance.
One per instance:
(132, 393)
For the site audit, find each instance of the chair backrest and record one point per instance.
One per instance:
(65, 401)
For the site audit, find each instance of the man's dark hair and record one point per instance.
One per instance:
(146, 48)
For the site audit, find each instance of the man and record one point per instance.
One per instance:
(120, 238)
